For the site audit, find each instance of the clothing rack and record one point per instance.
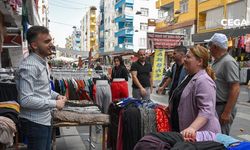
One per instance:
(74, 74)
(67, 75)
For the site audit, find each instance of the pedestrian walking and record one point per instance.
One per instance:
(141, 71)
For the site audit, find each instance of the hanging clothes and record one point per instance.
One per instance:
(114, 113)
(7, 130)
(241, 42)
(131, 119)
(71, 88)
(148, 117)
(103, 95)
(163, 123)
(8, 91)
(131, 127)
(248, 43)
(119, 90)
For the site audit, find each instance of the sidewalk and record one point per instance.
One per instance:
(243, 96)
(70, 142)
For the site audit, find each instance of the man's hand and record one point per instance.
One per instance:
(225, 118)
(143, 92)
(60, 104)
(160, 90)
(60, 97)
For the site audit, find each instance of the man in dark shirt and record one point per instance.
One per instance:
(142, 77)
(178, 73)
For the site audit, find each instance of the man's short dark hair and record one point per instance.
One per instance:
(140, 50)
(33, 32)
(182, 49)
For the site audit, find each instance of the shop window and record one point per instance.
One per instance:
(160, 14)
(142, 42)
(144, 12)
(143, 26)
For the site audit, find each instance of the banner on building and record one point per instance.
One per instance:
(159, 60)
(163, 41)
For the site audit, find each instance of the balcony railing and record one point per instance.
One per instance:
(124, 18)
(124, 46)
(125, 32)
(121, 2)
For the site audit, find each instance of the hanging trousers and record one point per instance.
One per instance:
(119, 90)
(103, 95)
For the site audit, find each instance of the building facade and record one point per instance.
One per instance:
(69, 43)
(76, 39)
(132, 24)
(232, 18)
(109, 26)
(222, 16)
(177, 16)
(89, 35)
(43, 10)
(101, 27)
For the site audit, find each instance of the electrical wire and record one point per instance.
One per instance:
(56, 5)
(61, 23)
(72, 2)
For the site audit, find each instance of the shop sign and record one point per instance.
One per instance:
(159, 59)
(234, 22)
(163, 41)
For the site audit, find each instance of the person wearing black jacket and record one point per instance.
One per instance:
(119, 78)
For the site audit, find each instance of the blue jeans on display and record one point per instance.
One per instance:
(38, 136)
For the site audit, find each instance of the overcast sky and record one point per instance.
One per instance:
(63, 15)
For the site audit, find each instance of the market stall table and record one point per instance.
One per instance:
(68, 118)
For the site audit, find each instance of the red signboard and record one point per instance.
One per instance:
(163, 41)
(12, 40)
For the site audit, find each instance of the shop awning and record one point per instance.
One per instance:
(125, 52)
(234, 32)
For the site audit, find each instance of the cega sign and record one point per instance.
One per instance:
(234, 22)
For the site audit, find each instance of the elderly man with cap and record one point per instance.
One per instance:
(227, 80)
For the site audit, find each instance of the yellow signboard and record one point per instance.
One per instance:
(159, 60)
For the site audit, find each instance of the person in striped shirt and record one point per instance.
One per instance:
(36, 97)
